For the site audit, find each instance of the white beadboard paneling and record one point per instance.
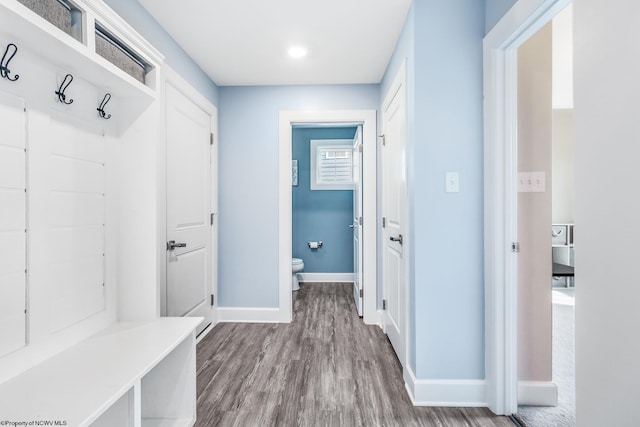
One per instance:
(12, 125)
(74, 175)
(12, 291)
(12, 224)
(78, 144)
(73, 308)
(69, 209)
(76, 220)
(12, 211)
(12, 167)
(12, 252)
(71, 277)
(75, 243)
(12, 330)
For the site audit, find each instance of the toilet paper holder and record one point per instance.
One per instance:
(314, 245)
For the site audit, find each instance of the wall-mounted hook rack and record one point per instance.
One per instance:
(4, 64)
(63, 86)
(103, 104)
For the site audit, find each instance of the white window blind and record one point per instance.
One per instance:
(331, 165)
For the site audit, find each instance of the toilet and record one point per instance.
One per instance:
(297, 265)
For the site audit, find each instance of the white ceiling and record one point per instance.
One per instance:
(245, 42)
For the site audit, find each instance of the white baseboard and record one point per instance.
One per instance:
(248, 315)
(326, 277)
(457, 393)
(537, 393)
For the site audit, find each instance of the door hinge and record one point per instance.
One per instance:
(360, 148)
(360, 221)
(212, 216)
(384, 222)
(213, 300)
(515, 247)
(211, 139)
(361, 293)
(384, 142)
(384, 304)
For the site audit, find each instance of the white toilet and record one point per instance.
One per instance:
(297, 265)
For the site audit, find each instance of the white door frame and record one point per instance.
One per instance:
(369, 284)
(523, 20)
(169, 76)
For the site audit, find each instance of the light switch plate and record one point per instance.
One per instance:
(531, 182)
(452, 182)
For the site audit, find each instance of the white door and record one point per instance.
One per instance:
(393, 212)
(188, 209)
(357, 223)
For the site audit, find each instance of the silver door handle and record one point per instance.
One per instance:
(351, 225)
(171, 245)
(396, 239)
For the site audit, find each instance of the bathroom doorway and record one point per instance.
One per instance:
(323, 201)
(323, 119)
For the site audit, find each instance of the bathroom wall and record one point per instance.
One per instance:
(321, 214)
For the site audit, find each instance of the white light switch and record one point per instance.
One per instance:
(452, 182)
(531, 182)
(537, 182)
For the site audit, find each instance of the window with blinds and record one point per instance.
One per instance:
(331, 164)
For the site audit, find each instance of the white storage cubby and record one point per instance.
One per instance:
(133, 373)
(562, 250)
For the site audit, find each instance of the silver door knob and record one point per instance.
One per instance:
(351, 225)
(171, 245)
(396, 239)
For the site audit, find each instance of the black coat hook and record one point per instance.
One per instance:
(63, 86)
(103, 104)
(4, 64)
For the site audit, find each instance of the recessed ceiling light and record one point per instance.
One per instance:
(297, 52)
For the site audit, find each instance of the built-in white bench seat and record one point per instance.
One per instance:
(130, 374)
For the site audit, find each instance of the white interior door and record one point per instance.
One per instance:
(393, 208)
(189, 253)
(357, 222)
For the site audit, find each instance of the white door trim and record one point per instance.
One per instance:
(523, 20)
(169, 76)
(368, 120)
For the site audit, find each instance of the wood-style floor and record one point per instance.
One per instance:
(326, 368)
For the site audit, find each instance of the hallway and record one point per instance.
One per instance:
(326, 368)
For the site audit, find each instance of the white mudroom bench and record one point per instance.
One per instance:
(130, 374)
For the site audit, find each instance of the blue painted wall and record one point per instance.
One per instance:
(138, 17)
(248, 199)
(494, 11)
(321, 214)
(442, 42)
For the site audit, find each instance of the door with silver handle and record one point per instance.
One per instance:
(396, 239)
(171, 245)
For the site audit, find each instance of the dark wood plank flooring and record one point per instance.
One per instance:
(326, 368)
